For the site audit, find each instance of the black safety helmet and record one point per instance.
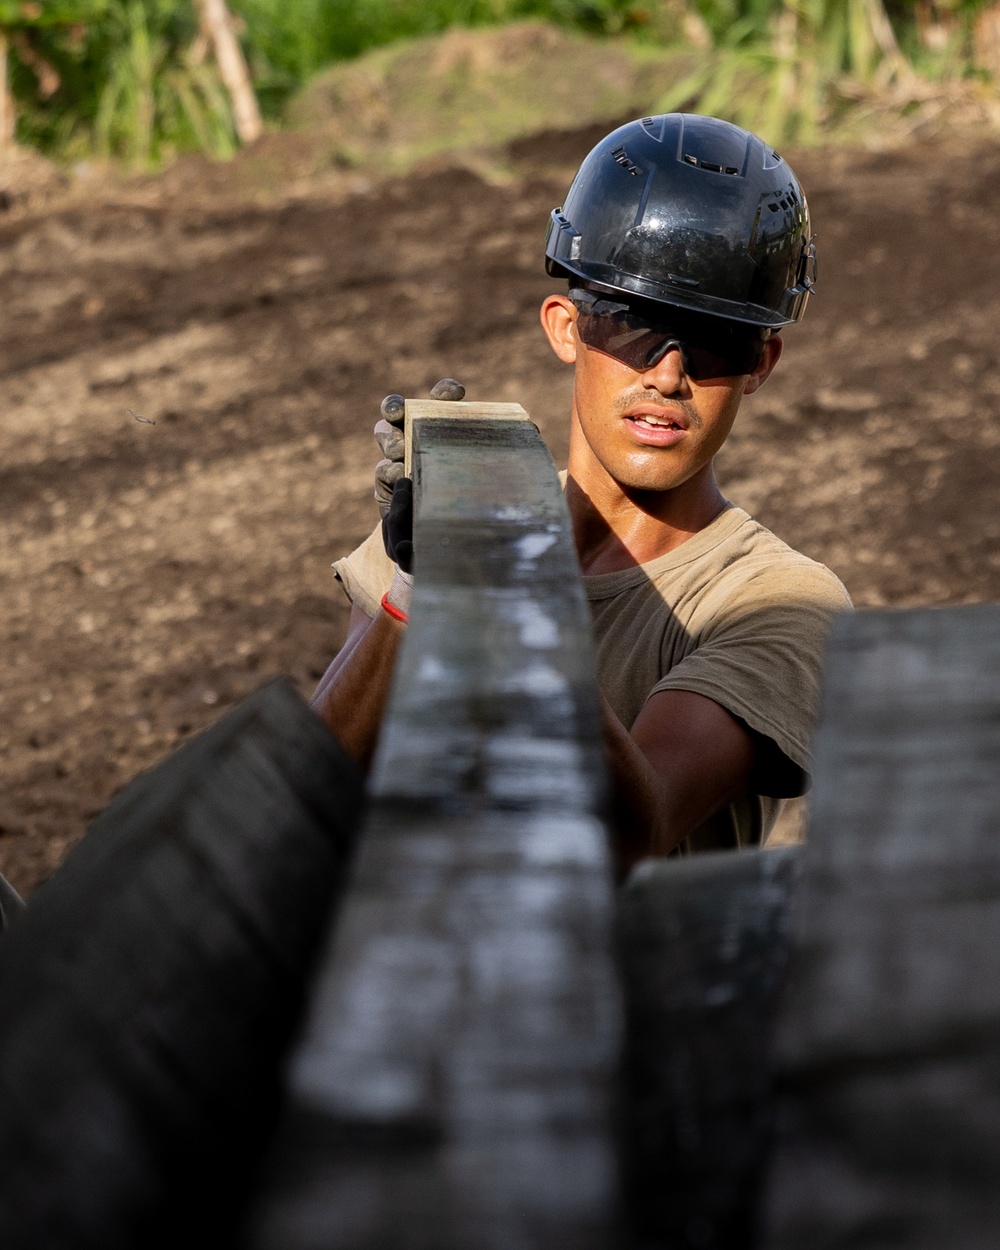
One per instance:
(688, 211)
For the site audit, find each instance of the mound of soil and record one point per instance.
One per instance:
(190, 378)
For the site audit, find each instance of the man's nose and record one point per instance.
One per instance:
(666, 374)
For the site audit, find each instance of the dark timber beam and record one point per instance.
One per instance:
(889, 1034)
(419, 412)
(454, 1085)
(152, 987)
(703, 946)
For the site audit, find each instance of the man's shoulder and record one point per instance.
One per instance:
(738, 558)
(763, 560)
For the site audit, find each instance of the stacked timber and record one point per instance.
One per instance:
(152, 986)
(703, 948)
(455, 1083)
(888, 1042)
(218, 1016)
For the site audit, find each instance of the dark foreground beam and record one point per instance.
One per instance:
(703, 946)
(150, 989)
(11, 904)
(454, 1084)
(889, 1037)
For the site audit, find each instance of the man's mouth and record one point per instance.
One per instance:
(653, 426)
(659, 422)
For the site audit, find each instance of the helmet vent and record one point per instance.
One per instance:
(690, 212)
(620, 156)
(715, 169)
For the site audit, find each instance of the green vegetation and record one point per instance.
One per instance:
(134, 80)
(116, 78)
(467, 93)
(806, 69)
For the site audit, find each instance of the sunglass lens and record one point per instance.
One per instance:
(641, 345)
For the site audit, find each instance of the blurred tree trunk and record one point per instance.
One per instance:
(936, 23)
(217, 24)
(8, 110)
(986, 40)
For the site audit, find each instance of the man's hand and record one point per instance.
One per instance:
(396, 506)
(352, 693)
(389, 436)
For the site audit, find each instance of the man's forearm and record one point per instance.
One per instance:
(684, 759)
(351, 696)
(639, 809)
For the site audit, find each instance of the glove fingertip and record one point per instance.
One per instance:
(393, 408)
(449, 389)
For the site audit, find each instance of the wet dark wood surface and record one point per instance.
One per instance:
(703, 946)
(889, 1037)
(455, 1083)
(152, 986)
(419, 411)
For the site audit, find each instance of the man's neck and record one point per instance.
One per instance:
(615, 528)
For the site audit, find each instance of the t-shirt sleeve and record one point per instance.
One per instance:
(761, 656)
(366, 574)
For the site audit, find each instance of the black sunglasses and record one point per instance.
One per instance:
(709, 346)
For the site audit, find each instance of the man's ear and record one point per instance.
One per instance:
(769, 358)
(558, 316)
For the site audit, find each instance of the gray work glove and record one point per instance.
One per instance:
(396, 507)
(389, 436)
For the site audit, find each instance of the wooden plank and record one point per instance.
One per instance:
(454, 1084)
(418, 411)
(889, 1035)
(702, 949)
(151, 987)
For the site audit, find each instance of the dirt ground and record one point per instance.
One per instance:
(191, 370)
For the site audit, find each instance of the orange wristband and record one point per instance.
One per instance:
(396, 613)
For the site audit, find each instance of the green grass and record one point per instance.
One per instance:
(134, 84)
(131, 85)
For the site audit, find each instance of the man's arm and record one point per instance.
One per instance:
(685, 759)
(352, 693)
(351, 696)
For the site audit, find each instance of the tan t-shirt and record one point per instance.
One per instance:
(733, 613)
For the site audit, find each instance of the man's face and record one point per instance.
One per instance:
(651, 430)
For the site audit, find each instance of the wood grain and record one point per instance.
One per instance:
(889, 1033)
(417, 411)
(703, 946)
(151, 987)
(454, 1086)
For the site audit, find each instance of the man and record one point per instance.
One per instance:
(686, 246)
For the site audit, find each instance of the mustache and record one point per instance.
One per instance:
(631, 398)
